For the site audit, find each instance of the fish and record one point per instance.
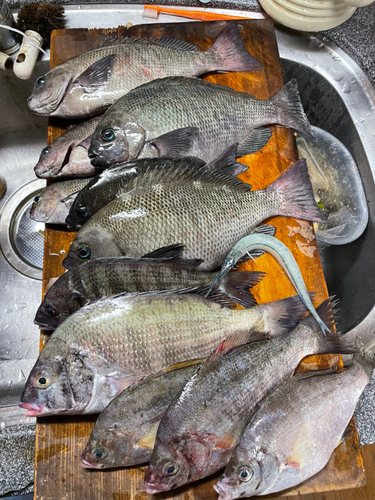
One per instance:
(53, 203)
(199, 431)
(207, 215)
(100, 350)
(284, 257)
(161, 270)
(65, 154)
(124, 433)
(90, 82)
(115, 181)
(179, 116)
(293, 435)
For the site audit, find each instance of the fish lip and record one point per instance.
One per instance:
(33, 409)
(151, 488)
(88, 465)
(223, 493)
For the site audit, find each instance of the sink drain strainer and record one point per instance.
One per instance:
(21, 239)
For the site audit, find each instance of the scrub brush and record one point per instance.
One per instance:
(36, 20)
(153, 11)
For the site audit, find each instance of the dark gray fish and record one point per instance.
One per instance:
(124, 433)
(161, 270)
(65, 157)
(199, 431)
(115, 181)
(53, 203)
(90, 82)
(206, 214)
(191, 117)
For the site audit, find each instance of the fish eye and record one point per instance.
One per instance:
(245, 474)
(42, 381)
(46, 150)
(40, 81)
(83, 212)
(108, 134)
(37, 198)
(50, 311)
(84, 252)
(170, 469)
(99, 453)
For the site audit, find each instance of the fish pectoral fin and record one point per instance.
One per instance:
(96, 75)
(118, 383)
(227, 164)
(255, 141)
(265, 229)
(169, 252)
(303, 444)
(176, 143)
(148, 441)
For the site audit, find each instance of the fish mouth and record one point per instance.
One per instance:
(152, 488)
(224, 493)
(33, 409)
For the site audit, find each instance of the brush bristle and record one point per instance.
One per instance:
(150, 13)
(42, 18)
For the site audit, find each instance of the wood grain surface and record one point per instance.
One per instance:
(60, 440)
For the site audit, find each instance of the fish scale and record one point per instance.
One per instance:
(90, 82)
(222, 115)
(215, 406)
(208, 216)
(121, 339)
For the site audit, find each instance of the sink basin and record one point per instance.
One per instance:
(337, 97)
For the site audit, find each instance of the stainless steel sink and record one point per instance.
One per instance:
(337, 97)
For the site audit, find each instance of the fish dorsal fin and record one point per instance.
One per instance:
(183, 172)
(168, 252)
(181, 81)
(172, 43)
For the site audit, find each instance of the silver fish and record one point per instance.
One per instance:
(124, 433)
(52, 205)
(293, 435)
(104, 347)
(90, 82)
(201, 428)
(191, 117)
(161, 270)
(116, 180)
(207, 215)
(284, 257)
(64, 158)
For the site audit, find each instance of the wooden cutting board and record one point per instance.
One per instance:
(60, 440)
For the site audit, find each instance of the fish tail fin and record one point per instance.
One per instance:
(295, 193)
(231, 54)
(283, 315)
(337, 344)
(291, 113)
(236, 285)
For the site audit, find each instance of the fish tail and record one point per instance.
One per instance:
(283, 315)
(291, 113)
(295, 194)
(236, 286)
(231, 54)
